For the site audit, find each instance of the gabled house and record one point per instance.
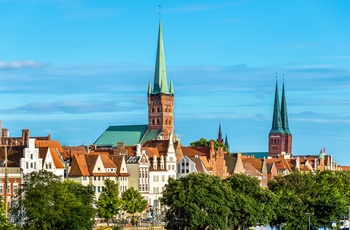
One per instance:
(95, 167)
(213, 160)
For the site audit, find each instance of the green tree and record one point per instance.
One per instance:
(325, 195)
(197, 201)
(45, 202)
(109, 202)
(85, 196)
(133, 201)
(204, 143)
(251, 204)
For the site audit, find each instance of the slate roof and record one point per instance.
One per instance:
(128, 134)
(230, 160)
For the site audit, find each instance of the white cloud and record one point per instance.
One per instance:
(7, 65)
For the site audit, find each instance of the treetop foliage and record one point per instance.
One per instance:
(204, 143)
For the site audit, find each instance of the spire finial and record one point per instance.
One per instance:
(160, 12)
(276, 76)
(283, 77)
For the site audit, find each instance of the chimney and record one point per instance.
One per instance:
(25, 136)
(120, 145)
(4, 133)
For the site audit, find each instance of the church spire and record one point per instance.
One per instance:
(226, 143)
(284, 113)
(160, 78)
(220, 140)
(276, 120)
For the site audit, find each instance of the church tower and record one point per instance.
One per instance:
(161, 98)
(280, 137)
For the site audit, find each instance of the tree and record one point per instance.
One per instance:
(204, 143)
(325, 195)
(86, 197)
(251, 204)
(109, 202)
(133, 201)
(45, 202)
(197, 201)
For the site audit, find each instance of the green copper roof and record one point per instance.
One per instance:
(276, 120)
(284, 113)
(129, 134)
(160, 80)
(149, 88)
(226, 143)
(256, 154)
(171, 87)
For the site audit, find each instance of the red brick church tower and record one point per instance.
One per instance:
(280, 137)
(161, 98)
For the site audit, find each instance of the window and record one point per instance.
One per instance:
(1, 189)
(84, 178)
(31, 165)
(163, 178)
(98, 169)
(15, 188)
(98, 189)
(27, 165)
(31, 156)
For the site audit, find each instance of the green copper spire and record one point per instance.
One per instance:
(226, 143)
(284, 113)
(149, 88)
(160, 80)
(276, 120)
(171, 87)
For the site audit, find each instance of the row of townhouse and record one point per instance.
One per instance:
(145, 167)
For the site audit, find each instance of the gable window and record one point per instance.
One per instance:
(31, 156)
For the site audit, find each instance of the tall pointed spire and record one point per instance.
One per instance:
(171, 87)
(276, 120)
(226, 143)
(160, 78)
(149, 88)
(220, 140)
(284, 113)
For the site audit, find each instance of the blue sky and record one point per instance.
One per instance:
(71, 68)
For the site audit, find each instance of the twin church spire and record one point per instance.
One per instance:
(280, 115)
(280, 137)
